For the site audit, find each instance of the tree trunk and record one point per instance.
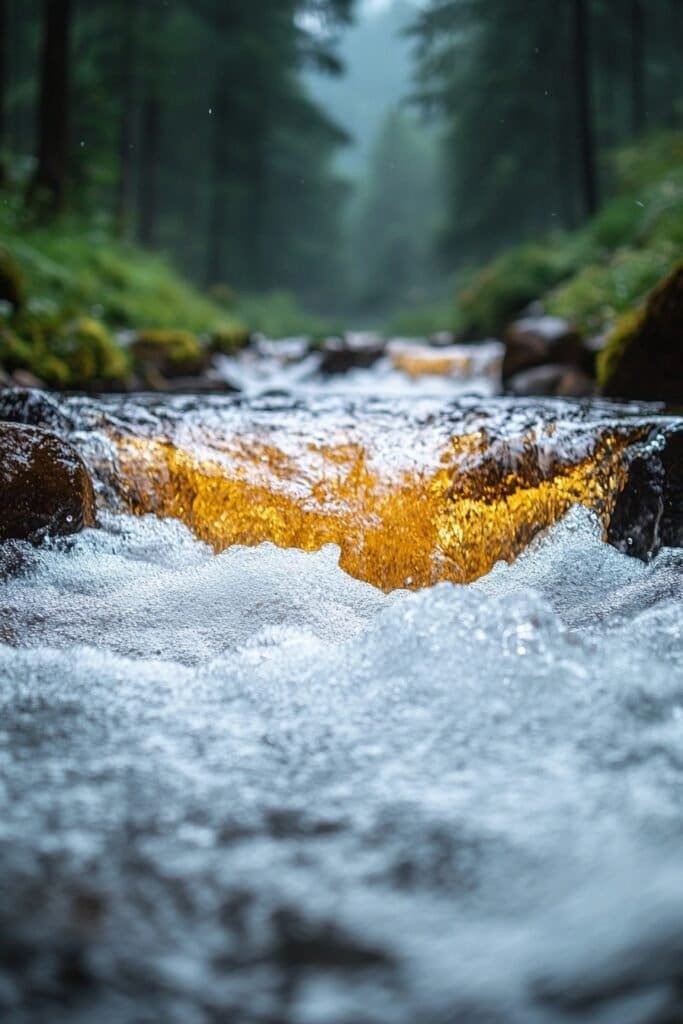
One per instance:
(582, 78)
(49, 181)
(128, 61)
(638, 112)
(149, 169)
(255, 210)
(3, 76)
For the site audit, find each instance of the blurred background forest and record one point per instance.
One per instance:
(299, 165)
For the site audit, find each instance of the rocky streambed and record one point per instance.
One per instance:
(348, 711)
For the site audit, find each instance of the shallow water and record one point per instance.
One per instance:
(248, 787)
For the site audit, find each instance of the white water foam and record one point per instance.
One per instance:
(247, 787)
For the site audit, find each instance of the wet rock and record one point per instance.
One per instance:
(648, 513)
(575, 383)
(553, 379)
(45, 488)
(352, 352)
(34, 408)
(536, 340)
(26, 379)
(643, 357)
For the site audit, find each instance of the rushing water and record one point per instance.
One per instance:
(248, 787)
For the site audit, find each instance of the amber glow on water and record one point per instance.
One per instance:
(453, 517)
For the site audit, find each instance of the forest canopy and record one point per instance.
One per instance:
(194, 128)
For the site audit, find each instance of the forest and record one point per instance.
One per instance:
(191, 130)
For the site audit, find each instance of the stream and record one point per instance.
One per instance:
(353, 710)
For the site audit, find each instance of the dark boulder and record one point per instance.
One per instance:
(45, 488)
(352, 352)
(536, 340)
(553, 379)
(643, 357)
(648, 514)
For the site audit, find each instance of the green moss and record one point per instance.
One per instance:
(626, 329)
(643, 357)
(87, 348)
(227, 339)
(172, 353)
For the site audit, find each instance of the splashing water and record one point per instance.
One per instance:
(247, 786)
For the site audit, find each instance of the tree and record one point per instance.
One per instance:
(3, 75)
(128, 63)
(582, 81)
(49, 181)
(637, 67)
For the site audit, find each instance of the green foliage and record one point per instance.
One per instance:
(598, 293)
(11, 282)
(76, 267)
(15, 354)
(592, 275)
(489, 297)
(421, 321)
(640, 164)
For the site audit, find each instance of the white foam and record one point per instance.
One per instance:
(447, 805)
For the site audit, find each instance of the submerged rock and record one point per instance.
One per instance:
(551, 379)
(45, 488)
(643, 357)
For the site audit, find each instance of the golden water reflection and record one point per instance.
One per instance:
(451, 516)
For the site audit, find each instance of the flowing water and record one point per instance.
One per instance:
(423, 760)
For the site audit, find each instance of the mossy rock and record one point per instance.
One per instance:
(75, 352)
(170, 353)
(11, 282)
(90, 352)
(19, 354)
(643, 357)
(226, 339)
